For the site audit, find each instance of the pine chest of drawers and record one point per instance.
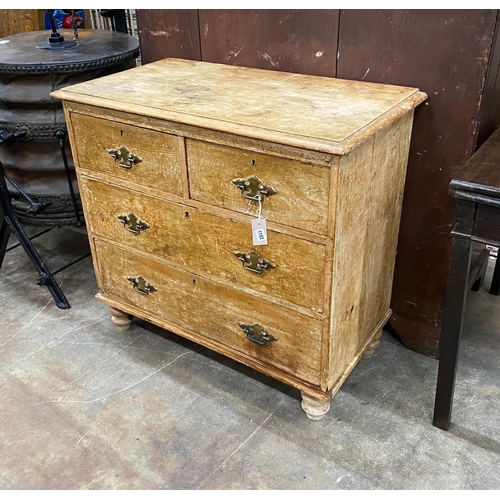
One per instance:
(185, 168)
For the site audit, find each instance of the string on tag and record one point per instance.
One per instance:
(259, 225)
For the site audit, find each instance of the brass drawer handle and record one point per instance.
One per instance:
(132, 223)
(253, 261)
(140, 285)
(123, 157)
(252, 188)
(257, 334)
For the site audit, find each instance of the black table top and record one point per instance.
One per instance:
(94, 49)
(481, 174)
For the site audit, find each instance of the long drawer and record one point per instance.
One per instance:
(294, 193)
(292, 269)
(212, 310)
(142, 156)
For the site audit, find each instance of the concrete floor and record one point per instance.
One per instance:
(84, 406)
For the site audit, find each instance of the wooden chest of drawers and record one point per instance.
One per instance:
(179, 161)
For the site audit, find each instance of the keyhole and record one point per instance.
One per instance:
(253, 163)
(194, 282)
(121, 133)
(186, 215)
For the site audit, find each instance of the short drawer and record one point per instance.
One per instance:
(142, 156)
(211, 310)
(290, 269)
(226, 177)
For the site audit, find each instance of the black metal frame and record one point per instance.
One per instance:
(61, 135)
(118, 19)
(471, 209)
(9, 224)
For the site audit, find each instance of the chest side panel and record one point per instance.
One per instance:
(385, 199)
(371, 182)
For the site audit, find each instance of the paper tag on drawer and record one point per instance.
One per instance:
(259, 231)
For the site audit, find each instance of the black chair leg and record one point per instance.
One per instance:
(495, 282)
(456, 293)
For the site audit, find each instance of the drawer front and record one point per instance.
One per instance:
(212, 310)
(150, 158)
(208, 244)
(301, 198)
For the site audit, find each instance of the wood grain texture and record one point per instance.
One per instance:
(207, 135)
(384, 195)
(302, 190)
(332, 235)
(446, 53)
(443, 53)
(202, 306)
(299, 41)
(349, 252)
(206, 244)
(14, 21)
(162, 156)
(489, 113)
(168, 33)
(371, 181)
(322, 114)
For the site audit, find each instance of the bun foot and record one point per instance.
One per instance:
(315, 408)
(121, 319)
(374, 344)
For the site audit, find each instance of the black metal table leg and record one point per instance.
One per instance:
(61, 135)
(11, 224)
(4, 236)
(456, 293)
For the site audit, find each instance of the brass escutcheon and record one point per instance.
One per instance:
(123, 157)
(252, 188)
(132, 223)
(257, 334)
(253, 261)
(140, 285)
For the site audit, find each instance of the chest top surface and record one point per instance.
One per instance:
(325, 114)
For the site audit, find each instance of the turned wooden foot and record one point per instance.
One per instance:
(374, 344)
(121, 319)
(315, 409)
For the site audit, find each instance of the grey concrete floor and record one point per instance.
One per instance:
(85, 406)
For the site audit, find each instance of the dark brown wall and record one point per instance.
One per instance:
(168, 33)
(295, 41)
(489, 119)
(447, 53)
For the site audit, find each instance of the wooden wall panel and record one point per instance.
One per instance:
(14, 21)
(451, 54)
(168, 33)
(489, 119)
(301, 41)
(444, 53)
